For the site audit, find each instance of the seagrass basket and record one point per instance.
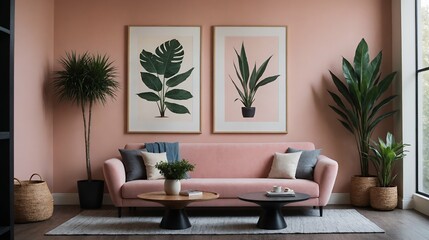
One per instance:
(384, 198)
(33, 201)
(359, 190)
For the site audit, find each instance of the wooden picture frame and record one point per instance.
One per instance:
(164, 79)
(265, 51)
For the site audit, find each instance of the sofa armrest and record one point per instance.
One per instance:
(325, 174)
(114, 175)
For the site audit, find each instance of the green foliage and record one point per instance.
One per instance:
(175, 170)
(385, 154)
(249, 82)
(166, 63)
(362, 98)
(85, 79)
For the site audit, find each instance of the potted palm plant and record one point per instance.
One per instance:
(384, 156)
(250, 82)
(359, 104)
(85, 80)
(173, 172)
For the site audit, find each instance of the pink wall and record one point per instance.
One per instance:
(34, 58)
(319, 34)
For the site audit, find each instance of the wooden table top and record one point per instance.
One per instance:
(162, 197)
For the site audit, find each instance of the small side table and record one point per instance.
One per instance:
(272, 217)
(175, 216)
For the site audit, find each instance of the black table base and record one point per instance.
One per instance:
(271, 217)
(175, 219)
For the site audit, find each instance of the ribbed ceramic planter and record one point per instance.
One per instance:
(384, 198)
(172, 186)
(359, 190)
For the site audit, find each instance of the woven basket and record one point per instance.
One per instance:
(359, 190)
(384, 198)
(33, 200)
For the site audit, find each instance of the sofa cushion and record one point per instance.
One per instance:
(307, 162)
(133, 164)
(284, 165)
(226, 187)
(150, 160)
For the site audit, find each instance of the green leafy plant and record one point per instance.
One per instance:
(176, 170)
(250, 82)
(161, 77)
(85, 80)
(385, 154)
(363, 97)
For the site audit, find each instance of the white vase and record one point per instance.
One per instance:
(172, 186)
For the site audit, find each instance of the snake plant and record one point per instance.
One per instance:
(362, 98)
(250, 82)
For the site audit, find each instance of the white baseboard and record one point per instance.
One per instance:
(73, 199)
(405, 203)
(339, 198)
(421, 204)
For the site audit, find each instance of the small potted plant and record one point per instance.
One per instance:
(385, 154)
(250, 82)
(173, 173)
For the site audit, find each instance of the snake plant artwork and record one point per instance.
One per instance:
(162, 76)
(249, 82)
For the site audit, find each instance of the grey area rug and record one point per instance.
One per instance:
(106, 222)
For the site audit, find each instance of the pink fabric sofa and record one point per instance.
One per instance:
(229, 169)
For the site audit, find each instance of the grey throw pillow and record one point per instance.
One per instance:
(307, 162)
(133, 163)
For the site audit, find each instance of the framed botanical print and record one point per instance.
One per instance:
(164, 79)
(250, 76)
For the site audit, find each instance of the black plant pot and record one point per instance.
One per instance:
(248, 112)
(90, 193)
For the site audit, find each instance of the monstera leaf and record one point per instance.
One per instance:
(162, 75)
(169, 57)
(166, 61)
(148, 61)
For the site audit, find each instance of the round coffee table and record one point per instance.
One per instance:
(271, 216)
(175, 216)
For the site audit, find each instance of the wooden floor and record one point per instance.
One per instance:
(398, 224)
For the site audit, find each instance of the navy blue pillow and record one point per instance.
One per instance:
(307, 162)
(133, 163)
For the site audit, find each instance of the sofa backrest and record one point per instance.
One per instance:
(232, 160)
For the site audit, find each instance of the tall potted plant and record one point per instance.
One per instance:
(85, 80)
(384, 156)
(359, 103)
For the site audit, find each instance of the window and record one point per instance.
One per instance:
(422, 11)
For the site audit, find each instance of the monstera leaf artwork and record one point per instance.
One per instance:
(162, 77)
